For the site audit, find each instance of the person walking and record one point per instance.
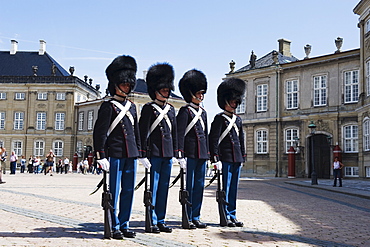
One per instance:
(159, 139)
(66, 165)
(30, 164)
(3, 156)
(23, 164)
(337, 171)
(117, 139)
(49, 163)
(13, 163)
(226, 140)
(192, 132)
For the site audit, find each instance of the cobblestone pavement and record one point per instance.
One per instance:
(39, 210)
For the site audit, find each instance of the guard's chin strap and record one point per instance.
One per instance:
(160, 102)
(194, 97)
(122, 92)
(163, 96)
(227, 103)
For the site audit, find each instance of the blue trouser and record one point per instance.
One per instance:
(337, 174)
(160, 173)
(195, 173)
(230, 180)
(122, 173)
(13, 166)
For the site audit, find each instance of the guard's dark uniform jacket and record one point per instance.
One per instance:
(231, 148)
(124, 141)
(162, 142)
(195, 143)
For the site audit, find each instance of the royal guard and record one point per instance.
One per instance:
(192, 132)
(159, 139)
(227, 145)
(117, 142)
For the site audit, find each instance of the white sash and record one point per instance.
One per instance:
(162, 114)
(227, 130)
(198, 116)
(124, 111)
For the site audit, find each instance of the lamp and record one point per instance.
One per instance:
(312, 128)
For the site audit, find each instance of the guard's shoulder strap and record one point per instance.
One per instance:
(162, 114)
(227, 130)
(124, 111)
(197, 116)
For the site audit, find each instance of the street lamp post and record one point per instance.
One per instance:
(312, 127)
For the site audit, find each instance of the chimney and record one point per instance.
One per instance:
(284, 47)
(14, 47)
(42, 49)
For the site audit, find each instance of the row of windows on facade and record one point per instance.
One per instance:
(38, 148)
(291, 138)
(18, 122)
(40, 96)
(320, 89)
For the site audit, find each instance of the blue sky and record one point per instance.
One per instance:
(205, 35)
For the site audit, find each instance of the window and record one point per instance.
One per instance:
(2, 120)
(18, 120)
(59, 121)
(42, 96)
(350, 138)
(351, 86)
(40, 120)
(351, 171)
(60, 96)
(366, 132)
(80, 121)
(2, 95)
(367, 71)
(290, 138)
(367, 169)
(39, 148)
(58, 148)
(19, 96)
(79, 148)
(367, 26)
(261, 139)
(90, 120)
(1, 143)
(241, 108)
(292, 94)
(262, 97)
(17, 147)
(319, 90)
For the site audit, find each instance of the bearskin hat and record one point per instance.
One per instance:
(121, 70)
(192, 82)
(160, 75)
(230, 89)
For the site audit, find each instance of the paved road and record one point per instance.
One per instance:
(38, 210)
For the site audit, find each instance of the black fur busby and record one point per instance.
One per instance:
(160, 75)
(121, 70)
(230, 89)
(192, 82)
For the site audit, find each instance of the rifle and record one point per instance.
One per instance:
(148, 204)
(107, 207)
(221, 200)
(211, 181)
(183, 199)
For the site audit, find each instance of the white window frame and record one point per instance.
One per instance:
(350, 138)
(42, 96)
(241, 108)
(2, 120)
(90, 120)
(2, 95)
(290, 136)
(351, 86)
(367, 26)
(262, 94)
(351, 171)
(366, 134)
(59, 120)
(18, 120)
(367, 171)
(79, 148)
(17, 147)
(1, 143)
(261, 141)
(40, 120)
(19, 96)
(39, 148)
(292, 94)
(320, 90)
(58, 148)
(60, 96)
(81, 120)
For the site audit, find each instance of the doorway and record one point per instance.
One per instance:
(321, 153)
